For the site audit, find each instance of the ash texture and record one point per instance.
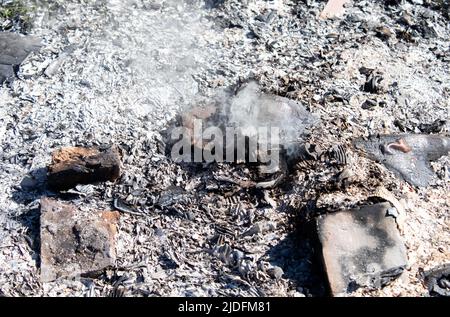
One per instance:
(119, 72)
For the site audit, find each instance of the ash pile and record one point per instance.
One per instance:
(360, 246)
(120, 179)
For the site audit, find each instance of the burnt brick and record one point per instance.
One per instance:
(77, 165)
(361, 248)
(75, 242)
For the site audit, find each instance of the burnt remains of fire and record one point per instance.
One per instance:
(313, 175)
(371, 253)
(299, 152)
(249, 127)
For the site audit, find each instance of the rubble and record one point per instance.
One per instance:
(74, 242)
(361, 248)
(14, 48)
(76, 165)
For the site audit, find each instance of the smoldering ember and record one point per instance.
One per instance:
(224, 148)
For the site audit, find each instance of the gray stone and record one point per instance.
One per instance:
(75, 242)
(407, 155)
(14, 48)
(361, 248)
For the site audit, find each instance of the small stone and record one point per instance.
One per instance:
(361, 248)
(369, 104)
(75, 242)
(77, 165)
